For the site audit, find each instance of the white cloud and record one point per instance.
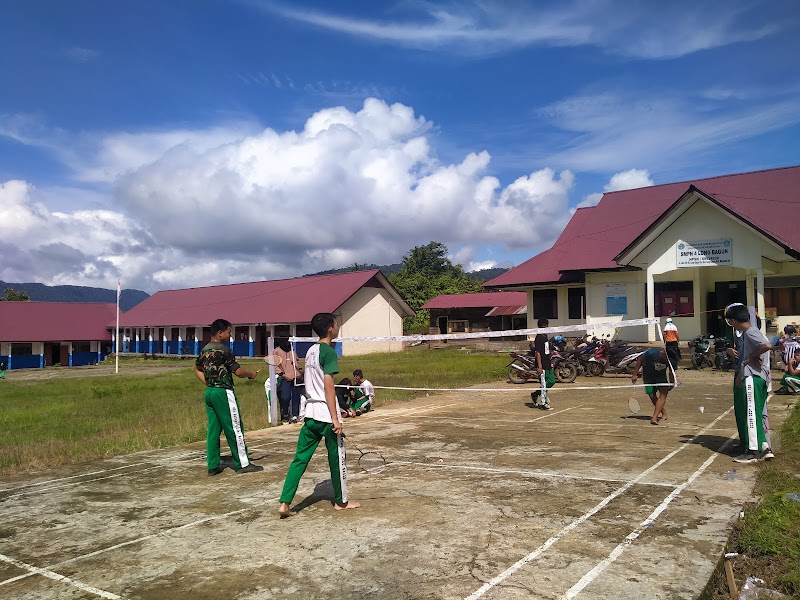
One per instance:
(642, 30)
(625, 180)
(662, 131)
(218, 206)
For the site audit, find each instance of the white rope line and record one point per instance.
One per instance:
(558, 389)
(488, 334)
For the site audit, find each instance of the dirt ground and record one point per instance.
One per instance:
(483, 497)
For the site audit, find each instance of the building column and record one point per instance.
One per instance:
(150, 340)
(252, 336)
(99, 351)
(138, 337)
(70, 354)
(760, 299)
(651, 305)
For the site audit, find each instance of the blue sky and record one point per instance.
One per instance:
(198, 142)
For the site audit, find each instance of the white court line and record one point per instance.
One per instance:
(615, 554)
(19, 487)
(35, 570)
(583, 518)
(57, 577)
(534, 474)
(63, 485)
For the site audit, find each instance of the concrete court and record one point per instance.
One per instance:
(484, 497)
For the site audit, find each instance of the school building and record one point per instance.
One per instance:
(468, 313)
(34, 335)
(682, 250)
(176, 322)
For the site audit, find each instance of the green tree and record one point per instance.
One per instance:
(12, 295)
(425, 274)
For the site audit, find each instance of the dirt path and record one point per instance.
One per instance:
(484, 497)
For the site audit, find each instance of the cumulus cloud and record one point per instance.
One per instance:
(196, 208)
(631, 28)
(625, 180)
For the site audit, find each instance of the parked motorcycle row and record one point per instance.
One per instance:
(590, 357)
(708, 351)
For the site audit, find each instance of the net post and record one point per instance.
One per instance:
(273, 387)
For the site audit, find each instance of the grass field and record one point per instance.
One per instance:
(48, 422)
(767, 538)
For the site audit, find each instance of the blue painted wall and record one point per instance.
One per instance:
(80, 359)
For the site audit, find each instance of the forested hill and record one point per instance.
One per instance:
(74, 293)
(482, 276)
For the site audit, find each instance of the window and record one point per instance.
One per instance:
(21, 349)
(545, 304)
(81, 347)
(458, 326)
(576, 302)
(674, 299)
(786, 301)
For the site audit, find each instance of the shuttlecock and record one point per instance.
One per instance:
(702, 409)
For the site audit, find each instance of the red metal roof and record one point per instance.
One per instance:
(595, 235)
(281, 301)
(480, 300)
(55, 321)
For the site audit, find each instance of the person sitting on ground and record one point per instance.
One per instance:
(364, 393)
(655, 370)
(790, 384)
(789, 343)
(345, 396)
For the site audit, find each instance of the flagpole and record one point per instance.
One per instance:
(116, 351)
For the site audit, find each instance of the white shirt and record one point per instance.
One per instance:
(368, 390)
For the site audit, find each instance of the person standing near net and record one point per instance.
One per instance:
(290, 373)
(365, 393)
(321, 419)
(541, 351)
(750, 385)
(215, 367)
(655, 371)
(671, 339)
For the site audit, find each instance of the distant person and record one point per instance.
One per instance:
(2, 370)
(215, 367)
(655, 374)
(671, 339)
(321, 420)
(541, 352)
(750, 385)
(291, 374)
(345, 395)
(790, 384)
(364, 393)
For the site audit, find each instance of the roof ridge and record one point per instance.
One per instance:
(219, 285)
(696, 180)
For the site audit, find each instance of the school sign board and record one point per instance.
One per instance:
(704, 253)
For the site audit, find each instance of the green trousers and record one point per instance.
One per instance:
(359, 402)
(222, 410)
(750, 408)
(311, 433)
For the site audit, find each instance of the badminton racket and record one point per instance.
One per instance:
(273, 360)
(369, 462)
(633, 405)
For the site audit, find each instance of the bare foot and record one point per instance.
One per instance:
(347, 505)
(284, 512)
(653, 422)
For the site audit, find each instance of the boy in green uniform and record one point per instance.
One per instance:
(321, 419)
(215, 367)
(547, 377)
(750, 385)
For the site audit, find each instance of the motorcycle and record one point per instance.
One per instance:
(703, 352)
(723, 361)
(617, 357)
(523, 368)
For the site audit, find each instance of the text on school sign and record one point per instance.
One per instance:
(704, 253)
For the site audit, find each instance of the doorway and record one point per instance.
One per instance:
(725, 293)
